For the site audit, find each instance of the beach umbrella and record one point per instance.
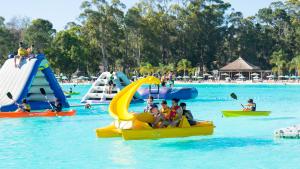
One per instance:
(199, 77)
(225, 74)
(280, 76)
(206, 74)
(179, 77)
(242, 77)
(94, 77)
(239, 74)
(186, 77)
(254, 74)
(227, 78)
(210, 76)
(64, 78)
(194, 77)
(255, 77)
(294, 77)
(271, 76)
(286, 76)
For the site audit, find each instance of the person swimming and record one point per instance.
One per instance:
(251, 106)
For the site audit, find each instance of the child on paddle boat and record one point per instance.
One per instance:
(187, 114)
(251, 106)
(175, 114)
(57, 106)
(22, 54)
(24, 107)
(159, 118)
(149, 104)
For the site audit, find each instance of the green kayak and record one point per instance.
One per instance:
(73, 93)
(237, 113)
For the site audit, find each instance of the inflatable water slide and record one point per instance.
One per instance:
(26, 82)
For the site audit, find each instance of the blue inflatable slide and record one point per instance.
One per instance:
(26, 82)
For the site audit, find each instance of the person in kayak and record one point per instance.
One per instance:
(24, 107)
(175, 114)
(149, 104)
(188, 114)
(70, 90)
(251, 106)
(57, 106)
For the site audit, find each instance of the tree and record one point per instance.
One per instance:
(40, 33)
(277, 59)
(183, 65)
(295, 64)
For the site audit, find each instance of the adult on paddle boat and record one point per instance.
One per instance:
(187, 114)
(251, 106)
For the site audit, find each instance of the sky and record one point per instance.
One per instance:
(60, 12)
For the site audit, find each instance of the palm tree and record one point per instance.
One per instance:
(295, 64)
(146, 68)
(183, 65)
(277, 59)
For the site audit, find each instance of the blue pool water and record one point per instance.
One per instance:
(246, 143)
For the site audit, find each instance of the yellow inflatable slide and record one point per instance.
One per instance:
(134, 126)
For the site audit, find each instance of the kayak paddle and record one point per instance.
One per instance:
(45, 95)
(234, 96)
(9, 95)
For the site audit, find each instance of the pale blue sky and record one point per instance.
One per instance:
(59, 12)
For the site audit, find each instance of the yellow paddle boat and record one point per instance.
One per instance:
(134, 126)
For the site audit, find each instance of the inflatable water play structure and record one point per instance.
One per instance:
(47, 113)
(98, 93)
(168, 93)
(26, 82)
(238, 113)
(133, 126)
(288, 132)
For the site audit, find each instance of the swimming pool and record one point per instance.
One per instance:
(70, 142)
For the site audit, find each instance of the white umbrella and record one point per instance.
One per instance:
(199, 77)
(186, 77)
(286, 76)
(179, 77)
(270, 76)
(294, 77)
(210, 76)
(94, 77)
(242, 77)
(227, 78)
(239, 74)
(224, 74)
(194, 77)
(255, 77)
(206, 74)
(64, 78)
(254, 74)
(280, 76)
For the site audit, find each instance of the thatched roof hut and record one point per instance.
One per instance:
(240, 65)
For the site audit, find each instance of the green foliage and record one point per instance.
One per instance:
(158, 36)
